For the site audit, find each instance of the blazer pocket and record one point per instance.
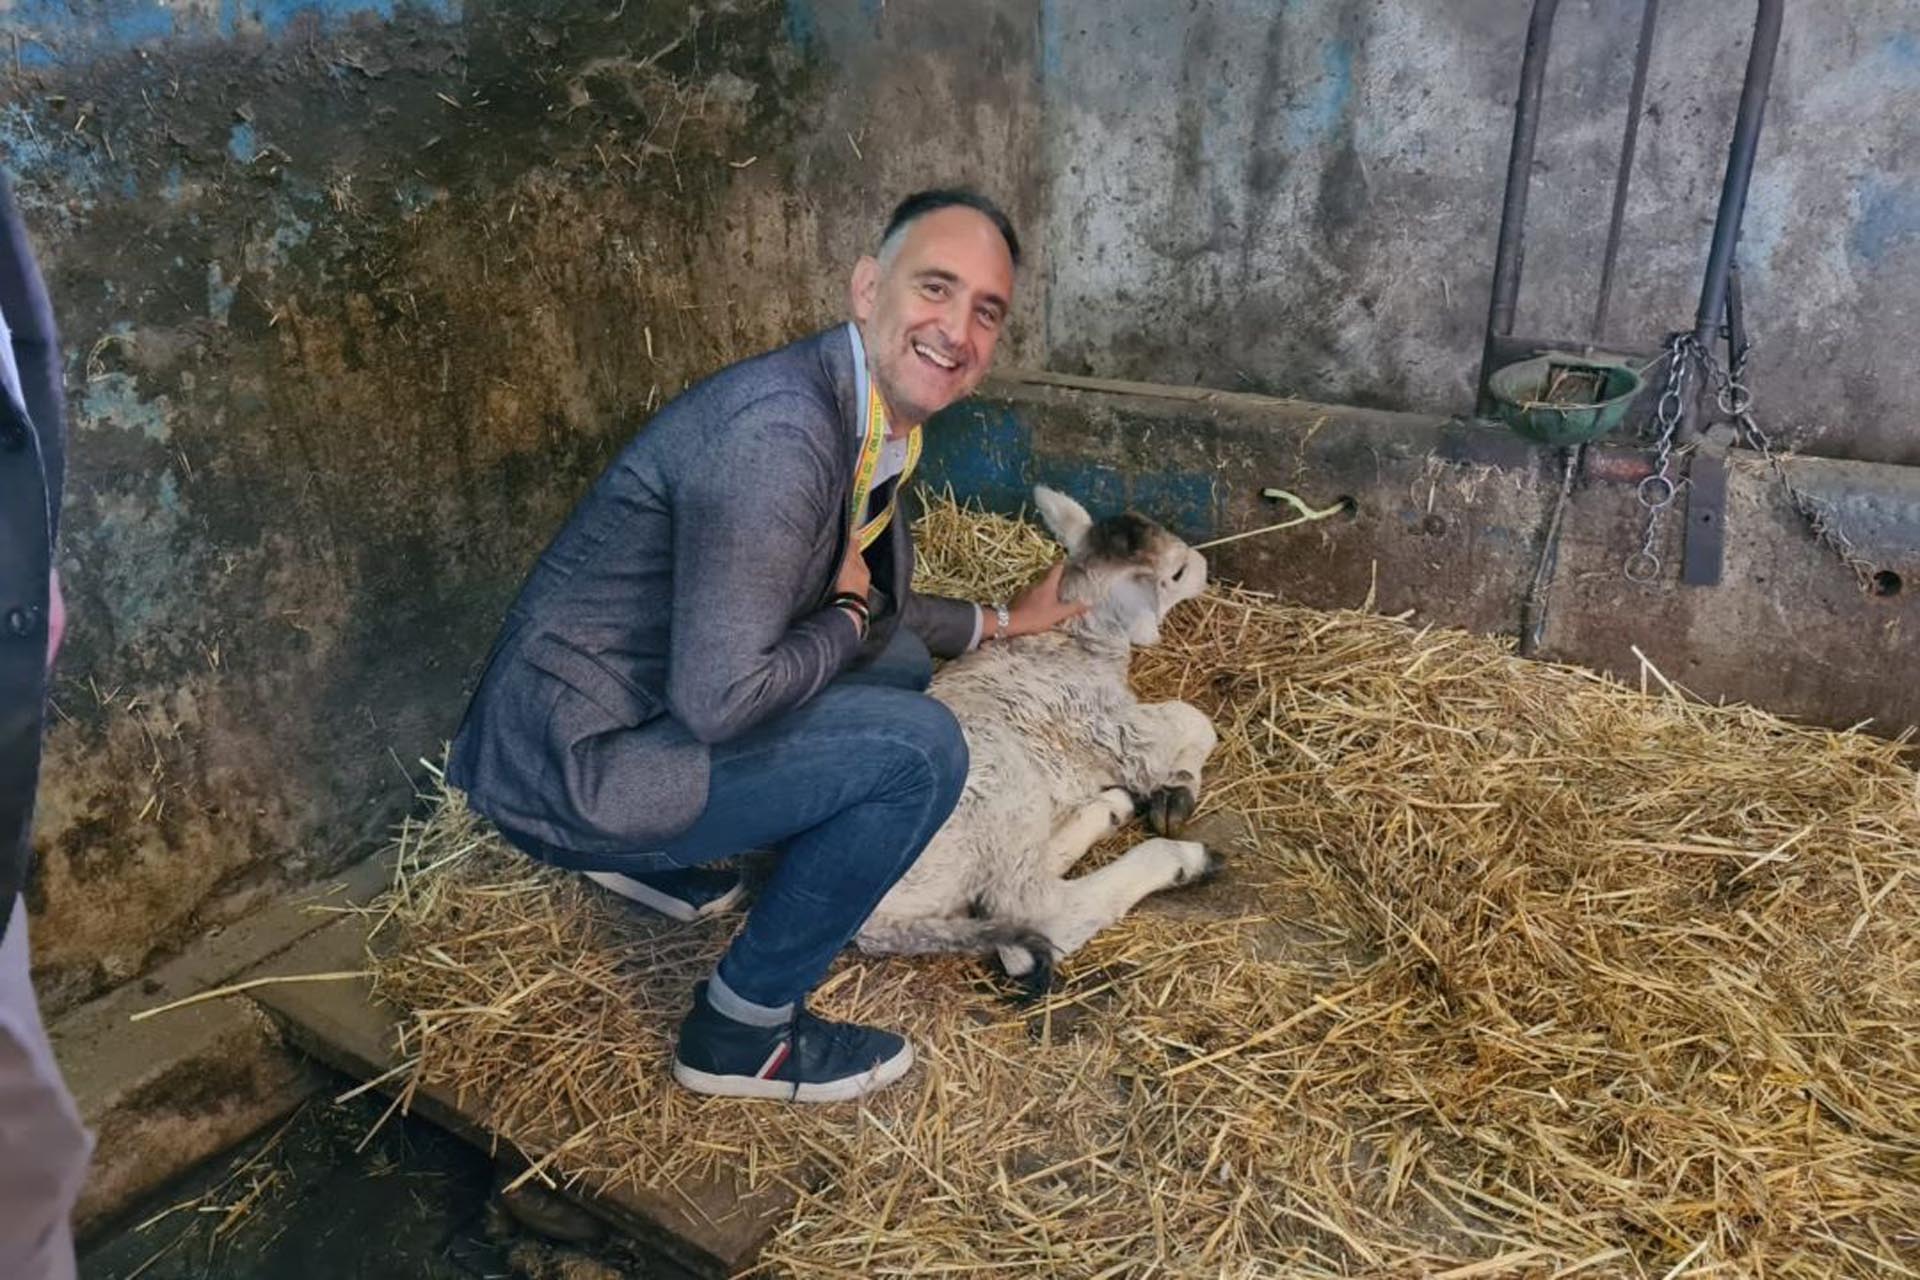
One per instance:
(628, 704)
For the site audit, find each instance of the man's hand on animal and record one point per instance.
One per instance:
(1040, 608)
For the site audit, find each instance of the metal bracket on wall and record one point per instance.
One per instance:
(1706, 537)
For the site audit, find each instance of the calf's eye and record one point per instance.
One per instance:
(1180, 573)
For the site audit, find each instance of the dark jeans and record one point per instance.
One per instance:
(848, 787)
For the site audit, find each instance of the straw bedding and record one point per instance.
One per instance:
(1530, 974)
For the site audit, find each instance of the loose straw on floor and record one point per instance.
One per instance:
(1529, 974)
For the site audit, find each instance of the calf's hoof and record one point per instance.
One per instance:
(1209, 867)
(1167, 809)
(1035, 982)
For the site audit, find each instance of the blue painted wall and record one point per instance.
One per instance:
(56, 32)
(984, 451)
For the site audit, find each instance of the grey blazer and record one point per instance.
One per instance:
(682, 604)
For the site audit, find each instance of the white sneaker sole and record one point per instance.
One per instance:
(882, 1075)
(634, 891)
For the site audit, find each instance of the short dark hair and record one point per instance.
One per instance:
(921, 203)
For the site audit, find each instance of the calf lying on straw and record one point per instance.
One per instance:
(1062, 754)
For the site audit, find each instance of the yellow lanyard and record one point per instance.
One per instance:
(874, 439)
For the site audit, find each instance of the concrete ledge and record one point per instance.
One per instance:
(206, 1092)
(164, 1094)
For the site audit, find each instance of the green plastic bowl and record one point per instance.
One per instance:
(1521, 398)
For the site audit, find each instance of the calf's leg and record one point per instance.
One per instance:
(1083, 907)
(1166, 775)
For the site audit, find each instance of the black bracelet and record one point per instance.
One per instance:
(857, 608)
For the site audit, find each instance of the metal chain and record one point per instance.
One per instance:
(1657, 491)
(1735, 401)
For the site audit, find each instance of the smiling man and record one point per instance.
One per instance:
(721, 651)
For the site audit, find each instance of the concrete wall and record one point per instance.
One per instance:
(1303, 198)
(357, 296)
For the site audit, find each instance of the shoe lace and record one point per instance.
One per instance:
(825, 1031)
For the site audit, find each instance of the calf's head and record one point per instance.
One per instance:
(1128, 570)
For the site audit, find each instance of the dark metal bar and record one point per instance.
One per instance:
(1636, 96)
(1703, 552)
(1733, 191)
(1510, 249)
(1736, 316)
(1704, 548)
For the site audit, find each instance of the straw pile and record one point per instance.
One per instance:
(1533, 974)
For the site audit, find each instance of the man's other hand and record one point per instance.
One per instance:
(56, 617)
(854, 575)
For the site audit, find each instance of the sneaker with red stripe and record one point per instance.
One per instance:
(805, 1059)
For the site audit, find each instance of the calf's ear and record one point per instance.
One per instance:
(1067, 519)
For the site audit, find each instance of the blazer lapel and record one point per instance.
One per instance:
(842, 378)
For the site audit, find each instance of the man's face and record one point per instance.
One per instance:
(931, 314)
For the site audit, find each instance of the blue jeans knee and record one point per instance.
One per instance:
(934, 747)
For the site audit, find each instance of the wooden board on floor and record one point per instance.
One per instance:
(713, 1229)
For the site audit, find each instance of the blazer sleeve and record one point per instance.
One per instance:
(947, 626)
(36, 347)
(746, 519)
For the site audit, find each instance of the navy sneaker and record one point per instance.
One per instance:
(807, 1059)
(692, 893)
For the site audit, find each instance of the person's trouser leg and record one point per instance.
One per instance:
(849, 788)
(692, 892)
(43, 1146)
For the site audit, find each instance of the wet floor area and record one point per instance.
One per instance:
(338, 1193)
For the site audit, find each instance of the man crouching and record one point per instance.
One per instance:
(721, 651)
